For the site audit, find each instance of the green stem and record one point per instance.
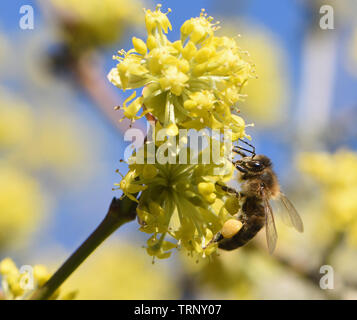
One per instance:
(119, 213)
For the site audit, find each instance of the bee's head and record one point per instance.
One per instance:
(256, 164)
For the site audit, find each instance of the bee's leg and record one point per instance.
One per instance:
(239, 167)
(217, 237)
(230, 190)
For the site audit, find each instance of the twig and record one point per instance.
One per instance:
(119, 213)
(94, 82)
(88, 73)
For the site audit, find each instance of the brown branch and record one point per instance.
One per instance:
(120, 212)
(92, 79)
(88, 73)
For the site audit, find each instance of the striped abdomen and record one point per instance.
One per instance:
(253, 219)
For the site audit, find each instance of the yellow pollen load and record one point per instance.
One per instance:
(230, 228)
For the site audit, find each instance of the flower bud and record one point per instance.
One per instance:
(189, 50)
(206, 188)
(151, 42)
(139, 46)
(203, 54)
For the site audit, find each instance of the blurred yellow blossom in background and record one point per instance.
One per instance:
(240, 274)
(90, 23)
(54, 145)
(336, 177)
(123, 271)
(268, 94)
(16, 121)
(32, 141)
(17, 285)
(22, 202)
(193, 83)
(22, 205)
(220, 277)
(40, 138)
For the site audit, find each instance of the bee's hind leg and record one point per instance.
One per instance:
(217, 237)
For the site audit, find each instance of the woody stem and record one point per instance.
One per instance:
(119, 213)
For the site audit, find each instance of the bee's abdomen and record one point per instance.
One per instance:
(253, 219)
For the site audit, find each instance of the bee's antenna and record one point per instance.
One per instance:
(250, 145)
(237, 149)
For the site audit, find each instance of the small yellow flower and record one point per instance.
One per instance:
(157, 20)
(198, 29)
(132, 110)
(128, 185)
(173, 80)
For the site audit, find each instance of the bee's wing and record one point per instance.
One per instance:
(270, 228)
(289, 214)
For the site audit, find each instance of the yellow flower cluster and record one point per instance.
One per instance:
(96, 22)
(18, 285)
(337, 177)
(179, 200)
(193, 83)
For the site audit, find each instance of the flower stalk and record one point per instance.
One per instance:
(120, 212)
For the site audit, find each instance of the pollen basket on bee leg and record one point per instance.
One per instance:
(230, 228)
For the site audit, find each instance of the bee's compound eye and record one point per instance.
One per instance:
(230, 228)
(256, 164)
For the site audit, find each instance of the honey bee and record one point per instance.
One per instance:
(259, 186)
